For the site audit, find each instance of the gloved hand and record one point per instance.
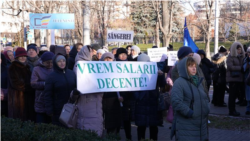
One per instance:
(76, 92)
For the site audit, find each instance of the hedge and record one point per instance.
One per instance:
(17, 130)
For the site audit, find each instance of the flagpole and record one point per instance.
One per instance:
(216, 29)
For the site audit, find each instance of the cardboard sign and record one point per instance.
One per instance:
(103, 76)
(172, 58)
(120, 36)
(155, 54)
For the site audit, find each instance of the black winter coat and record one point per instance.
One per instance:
(72, 56)
(146, 113)
(112, 110)
(4, 86)
(219, 75)
(58, 87)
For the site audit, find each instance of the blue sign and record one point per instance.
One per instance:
(52, 21)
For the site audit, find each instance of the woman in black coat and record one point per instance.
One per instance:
(58, 87)
(72, 55)
(207, 67)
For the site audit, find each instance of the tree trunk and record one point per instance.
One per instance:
(37, 37)
(207, 48)
(48, 38)
(157, 35)
(165, 21)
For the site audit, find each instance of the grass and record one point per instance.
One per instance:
(177, 45)
(229, 123)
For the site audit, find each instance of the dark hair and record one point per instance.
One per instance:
(155, 47)
(238, 46)
(66, 45)
(78, 44)
(128, 46)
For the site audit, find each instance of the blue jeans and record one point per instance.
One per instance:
(248, 106)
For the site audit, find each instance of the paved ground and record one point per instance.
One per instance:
(214, 134)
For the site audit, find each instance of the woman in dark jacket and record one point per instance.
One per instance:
(9, 57)
(58, 87)
(4, 86)
(112, 109)
(146, 109)
(39, 75)
(219, 77)
(121, 55)
(72, 55)
(207, 67)
(21, 95)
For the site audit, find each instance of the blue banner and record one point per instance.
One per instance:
(52, 21)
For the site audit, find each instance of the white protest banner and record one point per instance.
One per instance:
(103, 76)
(172, 58)
(155, 54)
(120, 36)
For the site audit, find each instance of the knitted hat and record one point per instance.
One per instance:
(136, 48)
(184, 51)
(47, 56)
(197, 58)
(143, 58)
(32, 47)
(95, 46)
(120, 51)
(44, 49)
(107, 54)
(222, 49)
(20, 52)
(60, 57)
(101, 51)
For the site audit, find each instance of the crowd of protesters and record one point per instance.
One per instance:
(37, 82)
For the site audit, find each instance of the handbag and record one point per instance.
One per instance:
(235, 73)
(69, 114)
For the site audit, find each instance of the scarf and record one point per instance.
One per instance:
(134, 56)
(33, 59)
(194, 79)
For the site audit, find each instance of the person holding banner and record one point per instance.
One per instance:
(190, 104)
(58, 87)
(90, 116)
(146, 109)
(121, 55)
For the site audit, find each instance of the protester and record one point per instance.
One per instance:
(135, 51)
(207, 67)
(100, 52)
(219, 77)
(67, 49)
(9, 57)
(146, 114)
(89, 105)
(21, 96)
(4, 86)
(114, 50)
(128, 48)
(43, 50)
(190, 104)
(112, 109)
(246, 66)
(58, 87)
(234, 76)
(32, 56)
(39, 75)
(72, 55)
(182, 53)
(121, 55)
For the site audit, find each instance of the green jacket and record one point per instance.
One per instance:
(190, 124)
